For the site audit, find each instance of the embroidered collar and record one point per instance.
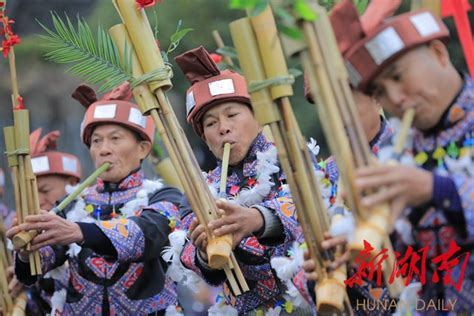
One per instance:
(134, 179)
(457, 110)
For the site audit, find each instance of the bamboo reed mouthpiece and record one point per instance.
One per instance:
(407, 120)
(218, 250)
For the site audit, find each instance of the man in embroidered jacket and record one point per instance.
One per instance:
(379, 132)
(261, 215)
(113, 236)
(414, 71)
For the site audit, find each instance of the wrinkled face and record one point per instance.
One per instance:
(416, 81)
(51, 188)
(233, 123)
(117, 145)
(368, 110)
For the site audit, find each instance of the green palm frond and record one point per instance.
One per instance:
(94, 61)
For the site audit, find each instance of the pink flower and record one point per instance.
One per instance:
(146, 3)
(216, 58)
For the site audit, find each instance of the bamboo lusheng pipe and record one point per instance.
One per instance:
(6, 301)
(144, 99)
(21, 239)
(220, 44)
(328, 82)
(120, 35)
(19, 308)
(197, 191)
(293, 154)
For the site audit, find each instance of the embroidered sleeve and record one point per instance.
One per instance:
(465, 189)
(191, 261)
(50, 259)
(284, 208)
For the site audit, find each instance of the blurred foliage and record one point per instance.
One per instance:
(204, 16)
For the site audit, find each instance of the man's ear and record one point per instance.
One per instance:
(145, 149)
(440, 52)
(72, 181)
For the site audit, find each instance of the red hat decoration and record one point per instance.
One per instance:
(370, 43)
(45, 160)
(113, 108)
(209, 85)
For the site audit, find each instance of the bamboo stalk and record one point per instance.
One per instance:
(19, 309)
(20, 240)
(328, 82)
(199, 196)
(266, 61)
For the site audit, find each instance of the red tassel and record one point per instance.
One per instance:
(459, 10)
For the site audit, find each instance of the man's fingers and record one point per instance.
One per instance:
(333, 242)
(201, 241)
(227, 229)
(226, 206)
(192, 226)
(48, 235)
(382, 196)
(373, 170)
(309, 266)
(197, 232)
(340, 260)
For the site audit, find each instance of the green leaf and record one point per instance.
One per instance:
(284, 15)
(361, 5)
(259, 7)
(304, 11)
(291, 32)
(227, 51)
(243, 4)
(178, 36)
(95, 61)
(295, 72)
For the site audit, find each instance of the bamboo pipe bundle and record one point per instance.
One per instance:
(261, 58)
(19, 308)
(220, 44)
(24, 180)
(6, 301)
(138, 33)
(20, 240)
(328, 83)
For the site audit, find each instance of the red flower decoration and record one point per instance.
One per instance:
(145, 3)
(10, 39)
(20, 105)
(216, 58)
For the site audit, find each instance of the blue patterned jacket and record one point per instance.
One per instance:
(118, 269)
(253, 254)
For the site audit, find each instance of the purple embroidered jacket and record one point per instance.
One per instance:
(119, 269)
(253, 254)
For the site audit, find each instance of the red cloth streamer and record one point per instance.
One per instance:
(459, 9)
